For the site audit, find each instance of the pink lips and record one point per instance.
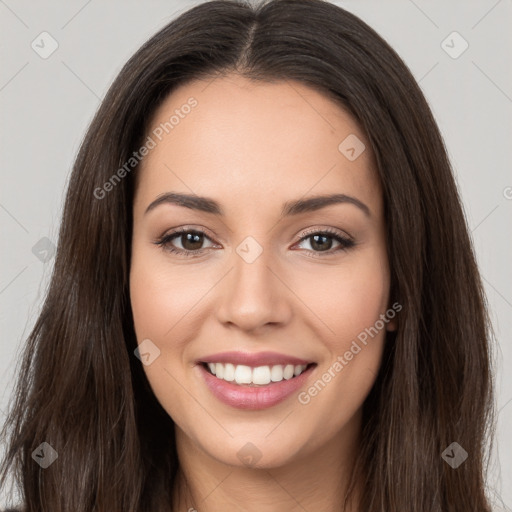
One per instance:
(253, 397)
(253, 360)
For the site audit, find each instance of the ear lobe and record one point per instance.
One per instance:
(392, 316)
(392, 325)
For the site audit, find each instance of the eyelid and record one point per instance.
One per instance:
(187, 229)
(305, 233)
(344, 240)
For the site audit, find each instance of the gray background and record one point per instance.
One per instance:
(46, 105)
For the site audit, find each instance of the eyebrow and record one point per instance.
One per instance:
(208, 205)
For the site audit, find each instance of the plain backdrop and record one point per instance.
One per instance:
(47, 103)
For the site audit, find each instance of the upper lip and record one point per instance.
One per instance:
(253, 359)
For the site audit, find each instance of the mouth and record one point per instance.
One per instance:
(254, 387)
(259, 376)
(256, 377)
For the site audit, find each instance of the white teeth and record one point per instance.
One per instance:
(229, 372)
(260, 376)
(288, 371)
(276, 374)
(243, 374)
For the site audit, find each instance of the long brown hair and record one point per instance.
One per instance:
(82, 390)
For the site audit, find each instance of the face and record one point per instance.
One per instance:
(297, 287)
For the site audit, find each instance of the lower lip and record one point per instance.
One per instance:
(253, 398)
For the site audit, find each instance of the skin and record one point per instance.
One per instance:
(252, 147)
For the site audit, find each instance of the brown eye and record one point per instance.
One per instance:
(191, 242)
(322, 242)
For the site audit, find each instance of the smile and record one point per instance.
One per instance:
(260, 376)
(254, 388)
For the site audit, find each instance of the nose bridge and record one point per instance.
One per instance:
(252, 295)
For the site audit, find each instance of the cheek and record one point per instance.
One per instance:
(347, 298)
(353, 334)
(161, 301)
(161, 295)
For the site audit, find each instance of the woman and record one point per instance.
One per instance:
(264, 296)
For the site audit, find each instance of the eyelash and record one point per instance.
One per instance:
(164, 242)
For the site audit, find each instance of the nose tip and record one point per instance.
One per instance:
(252, 295)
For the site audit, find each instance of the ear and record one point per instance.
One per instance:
(392, 315)
(392, 325)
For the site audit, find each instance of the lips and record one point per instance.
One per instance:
(251, 396)
(254, 359)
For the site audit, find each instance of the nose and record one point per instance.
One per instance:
(253, 295)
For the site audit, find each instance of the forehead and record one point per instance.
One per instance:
(255, 143)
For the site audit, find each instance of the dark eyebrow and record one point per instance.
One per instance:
(193, 202)
(297, 207)
(317, 202)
